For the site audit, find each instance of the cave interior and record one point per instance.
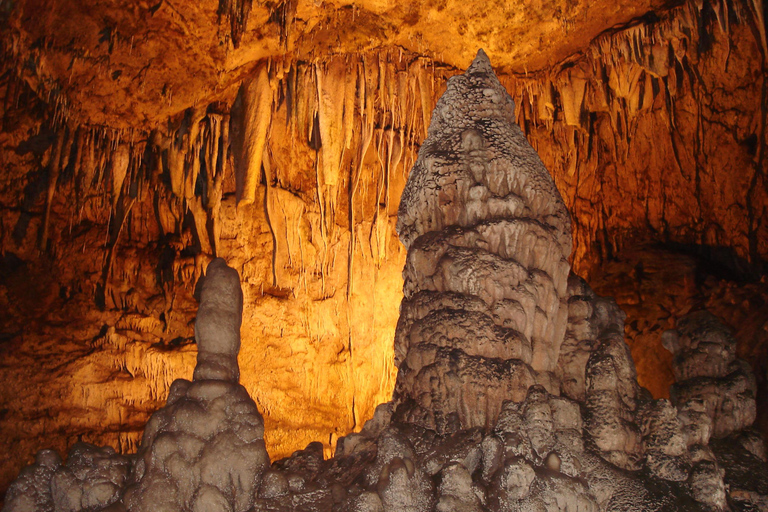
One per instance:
(140, 141)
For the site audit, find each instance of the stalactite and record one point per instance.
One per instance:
(425, 94)
(572, 85)
(216, 192)
(624, 80)
(121, 158)
(257, 97)
(365, 109)
(87, 166)
(758, 12)
(305, 101)
(214, 179)
(331, 93)
(53, 177)
(546, 103)
(176, 161)
(350, 94)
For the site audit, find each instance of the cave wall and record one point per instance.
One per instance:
(654, 132)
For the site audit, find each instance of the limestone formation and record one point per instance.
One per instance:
(516, 391)
(217, 328)
(148, 168)
(596, 368)
(93, 478)
(708, 372)
(204, 451)
(488, 238)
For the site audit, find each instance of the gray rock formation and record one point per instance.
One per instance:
(516, 390)
(708, 372)
(488, 238)
(217, 328)
(93, 478)
(31, 491)
(204, 451)
(595, 367)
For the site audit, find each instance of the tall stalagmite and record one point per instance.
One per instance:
(488, 238)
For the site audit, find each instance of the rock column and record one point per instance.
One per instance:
(488, 238)
(204, 451)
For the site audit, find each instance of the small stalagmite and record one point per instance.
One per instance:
(204, 451)
(488, 237)
(217, 328)
(708, 372)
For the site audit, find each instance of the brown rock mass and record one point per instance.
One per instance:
(463, 431)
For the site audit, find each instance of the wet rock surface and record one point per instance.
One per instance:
(495, 408)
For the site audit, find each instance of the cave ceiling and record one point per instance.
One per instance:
(131, 64)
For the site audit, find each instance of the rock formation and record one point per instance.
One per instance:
(488, 238)
(709, 374)
(516, 390)
(126, 145)
(204, 451)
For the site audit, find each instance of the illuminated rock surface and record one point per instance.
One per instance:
(130, 148)
(594, 440)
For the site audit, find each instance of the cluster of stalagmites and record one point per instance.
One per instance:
(516, 390)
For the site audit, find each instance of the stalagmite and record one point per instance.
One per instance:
(204, 451)
(217, 328)
(707, 371)
(483, 227)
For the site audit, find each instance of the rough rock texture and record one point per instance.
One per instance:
(204, 451)
(120, 144)
(488, 238)
(118, 61)
(217, 327)
(537, 451)
(595, 367)
(709, 373)
(93, 478)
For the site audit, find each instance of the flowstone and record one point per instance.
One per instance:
(516, 391)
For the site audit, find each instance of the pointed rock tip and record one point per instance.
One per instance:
(481, 64)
